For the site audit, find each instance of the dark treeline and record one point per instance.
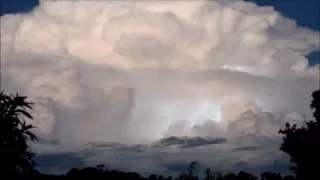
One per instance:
(98, 173)
(302, 144)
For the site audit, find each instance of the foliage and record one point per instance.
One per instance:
(189, 175)
(303, 144)
(98, 174)
(15, 155)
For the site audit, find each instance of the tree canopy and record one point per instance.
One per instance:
(16, 156)
(303, 144)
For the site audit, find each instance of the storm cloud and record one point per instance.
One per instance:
(139, 72)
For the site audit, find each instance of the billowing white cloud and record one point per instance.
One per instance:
(138, 71)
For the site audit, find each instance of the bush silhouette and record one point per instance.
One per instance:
(15, 156)
(303, 144)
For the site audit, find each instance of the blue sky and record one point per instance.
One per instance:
(305, 12)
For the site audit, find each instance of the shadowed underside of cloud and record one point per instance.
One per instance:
(225, 74)
(186, 142)
(170, 155)
(248, 148)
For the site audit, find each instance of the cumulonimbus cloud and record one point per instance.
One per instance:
(139, 71)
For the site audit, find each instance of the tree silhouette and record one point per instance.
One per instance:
(15, 155)
(189, 175)
(303, 144)
(245, 176)
(213, 175)
(208, 174)
(230, 176)
(270, 176)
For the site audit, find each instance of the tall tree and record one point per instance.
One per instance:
(303, 144)
(189, 175)
(15, 155)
